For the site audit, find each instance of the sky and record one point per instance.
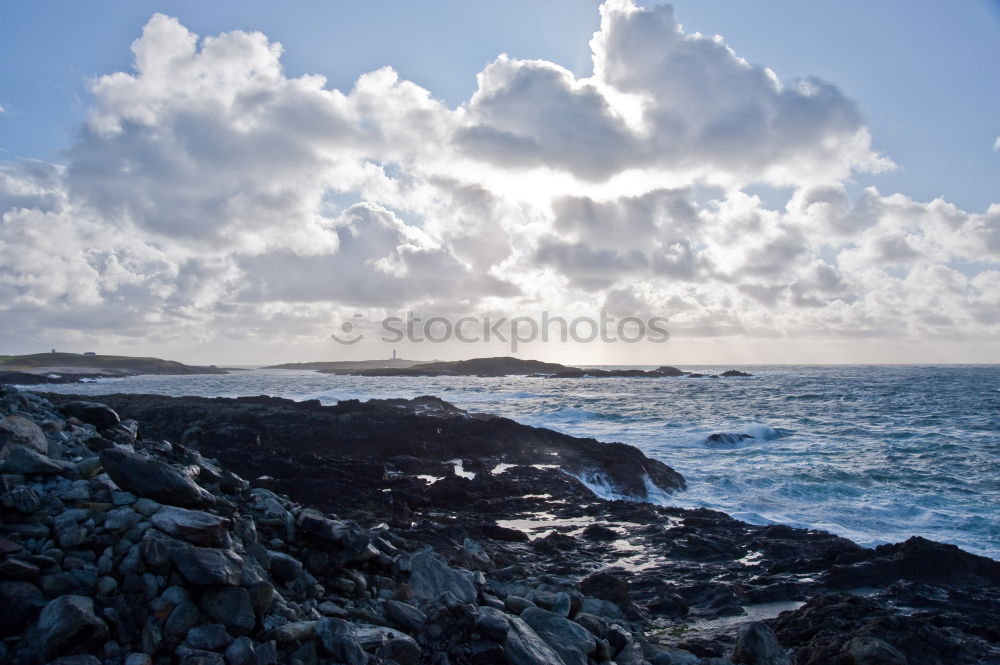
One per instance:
(232, 182)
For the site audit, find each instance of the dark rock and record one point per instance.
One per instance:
(23, 499)
(69, 623)
(872, 651)
(182, 619)
(344, 540)
(230, 606)
(21, 602)
(203, 566)
(24, 460)
(606, 587)
(734, 372)
(492, 623)
(340, 640)
(523, 646)
(211, 637)
(284, 567)
(756, 644)
(430, 577)
(404, 615)
(599, 532)
(99, 415)
(18, 431)
(153, 479)
(241, 652)
(570, 640)
(195, 526)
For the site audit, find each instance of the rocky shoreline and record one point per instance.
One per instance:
(254, 531)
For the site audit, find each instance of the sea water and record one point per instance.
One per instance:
(872, 453)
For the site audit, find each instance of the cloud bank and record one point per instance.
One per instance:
(212, 199)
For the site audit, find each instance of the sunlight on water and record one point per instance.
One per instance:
(875, 454)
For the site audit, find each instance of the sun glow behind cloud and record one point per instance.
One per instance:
(211, 199)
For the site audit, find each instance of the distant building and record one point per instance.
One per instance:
(89, 353)
(53, 351)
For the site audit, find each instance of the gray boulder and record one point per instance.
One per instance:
(67, 624)
(430, 577)
(152, 479)
(404, 615)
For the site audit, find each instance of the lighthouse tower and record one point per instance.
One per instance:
(394, 354)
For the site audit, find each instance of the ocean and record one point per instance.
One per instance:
(873, 453)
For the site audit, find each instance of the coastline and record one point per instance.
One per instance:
(685, 583)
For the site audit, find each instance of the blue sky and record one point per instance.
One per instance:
(819, 183)
(926, 74)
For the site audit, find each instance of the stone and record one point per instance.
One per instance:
(606, 587)
(23, 499)
(343, 540)
(153, 479)
(756, 644)
(99, 415)
(203, 566)
(21, 459)
(517, 604)
(404, 615)
(182, 619)
(20, 602)
(18, 431)
(492, 623)
(195, 526)
(872, 651)
(294, 631)
(138, 659)
(266, 653)
(211, 637)
(230, 606)
(430, 577)
(120, 519)
(341, 641)
(523, 646)
(670, 656)
(241, 652)
(570, 640)
(284, 567)
(68, 623)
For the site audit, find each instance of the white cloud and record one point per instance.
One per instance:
(211, 198)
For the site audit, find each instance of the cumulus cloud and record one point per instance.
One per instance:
(211, 197)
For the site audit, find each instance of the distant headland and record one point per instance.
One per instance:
(60, 367)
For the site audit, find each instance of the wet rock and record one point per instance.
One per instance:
(203, 566)
(99, 415)
(756, 644)
(153, 479)
(182, 619)
(492, 623)
(430, 577)
(195, 526)
(68, 623)
(606, 587)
